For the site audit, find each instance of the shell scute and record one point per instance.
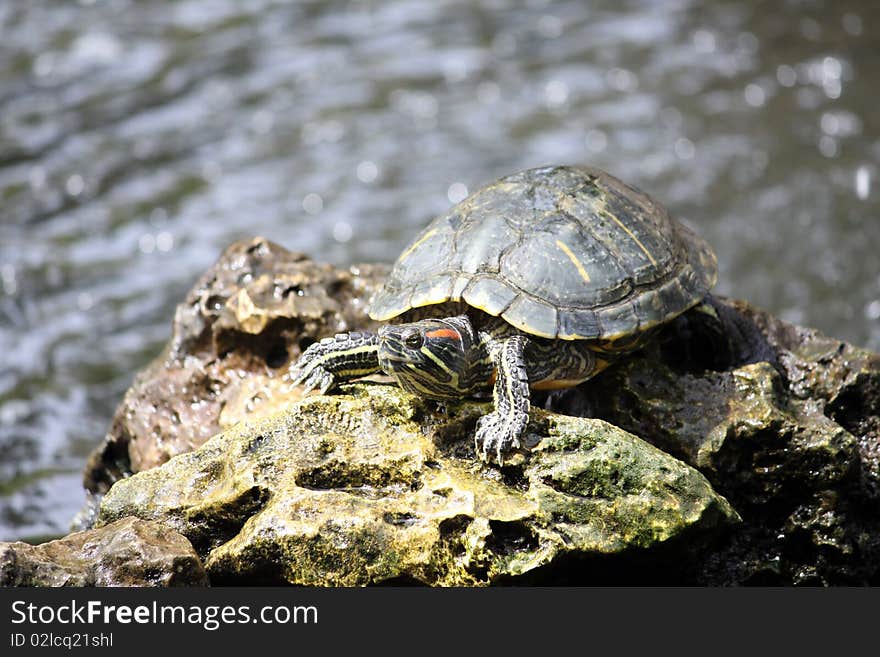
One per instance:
(562, 252)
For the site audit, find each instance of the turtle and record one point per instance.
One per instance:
(537, 281)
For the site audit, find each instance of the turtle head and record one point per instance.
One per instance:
(435, 358)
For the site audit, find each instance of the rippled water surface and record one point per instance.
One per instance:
(139, 139)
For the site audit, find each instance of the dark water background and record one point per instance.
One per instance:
(138, 139)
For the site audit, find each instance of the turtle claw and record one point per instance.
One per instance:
(317, 378)
(327, 382)
(310, 373)
(332, 361)
(499, 434)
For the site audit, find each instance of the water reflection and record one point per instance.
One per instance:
(138, 139)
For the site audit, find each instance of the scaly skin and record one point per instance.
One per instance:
(500, 431)
(333, 360)
(449, 359)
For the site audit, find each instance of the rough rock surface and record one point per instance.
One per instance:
(783, 421)
(128, 552)
(256, 309)
(375, 486)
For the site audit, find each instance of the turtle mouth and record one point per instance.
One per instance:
(390, 357)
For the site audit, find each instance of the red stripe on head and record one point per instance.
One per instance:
(443, 333)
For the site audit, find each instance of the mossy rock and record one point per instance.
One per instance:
(374, 486)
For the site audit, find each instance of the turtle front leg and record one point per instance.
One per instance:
(332, 361)
(500, 431)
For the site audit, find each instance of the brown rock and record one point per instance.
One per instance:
(128, 552)
(256, 309)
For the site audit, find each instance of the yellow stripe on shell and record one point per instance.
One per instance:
(574, 260)
(416, 244)
(630, 233)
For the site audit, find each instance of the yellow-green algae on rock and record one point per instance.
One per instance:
(374, 485)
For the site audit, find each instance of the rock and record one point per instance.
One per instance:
(783, 421)
(128, 552)
(376, 486)
(785, 426)
(258, 307)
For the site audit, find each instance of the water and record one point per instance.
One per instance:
(139, 139)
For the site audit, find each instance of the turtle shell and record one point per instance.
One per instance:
(559, 252)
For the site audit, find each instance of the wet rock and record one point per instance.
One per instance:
(256, 309)
(128, 552)
(374, 486)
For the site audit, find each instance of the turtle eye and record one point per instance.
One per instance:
(413, 339)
